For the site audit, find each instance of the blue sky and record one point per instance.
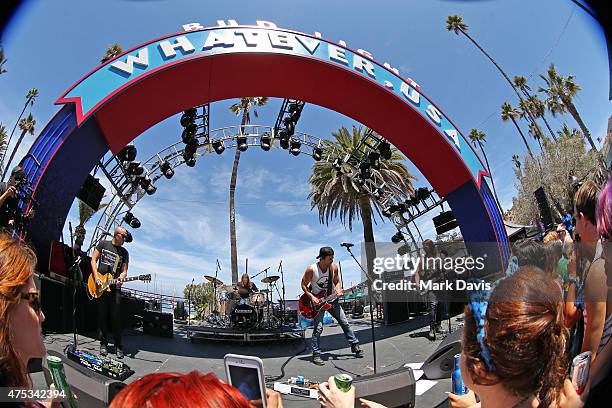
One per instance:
(51, 45)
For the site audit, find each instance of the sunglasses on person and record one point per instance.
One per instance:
(122, 234)
(33, 299)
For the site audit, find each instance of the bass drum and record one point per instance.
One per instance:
(244, 317)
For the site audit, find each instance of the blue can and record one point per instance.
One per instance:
(457, 382)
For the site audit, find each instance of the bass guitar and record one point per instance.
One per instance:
(96, 291)
(309, 310)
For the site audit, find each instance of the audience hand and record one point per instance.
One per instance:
(461, 401)
(273, 399)
(370, 404)
(569, 398)
(331, 397)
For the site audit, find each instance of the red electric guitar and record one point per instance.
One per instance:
(309, 310)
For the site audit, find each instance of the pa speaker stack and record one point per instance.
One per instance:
(440, 363)
(544, 208)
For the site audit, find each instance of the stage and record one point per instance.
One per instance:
(396, 345)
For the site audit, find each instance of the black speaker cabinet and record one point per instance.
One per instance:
(395, 303)
(395, 388)
(157, 323)
(544, 208)
(91, 192)
(132, 310)
(92, 389)
(440, 363)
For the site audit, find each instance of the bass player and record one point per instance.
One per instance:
(110, 257)
(320, 279)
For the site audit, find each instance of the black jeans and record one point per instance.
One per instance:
(432, 306)
(109, 304)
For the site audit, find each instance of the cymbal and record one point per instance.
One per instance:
(213, 280)
(270, 279)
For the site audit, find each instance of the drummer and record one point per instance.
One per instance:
(245, 287)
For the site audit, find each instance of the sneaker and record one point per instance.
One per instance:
(103, 350)
(119, 353)
(355, 349)
(316, 359)
(432, 333)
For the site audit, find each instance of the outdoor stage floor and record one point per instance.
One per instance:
(395, 345)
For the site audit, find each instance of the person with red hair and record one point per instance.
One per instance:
(176, 390)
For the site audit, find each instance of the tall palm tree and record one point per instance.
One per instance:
(336, 194)
(2, 61)
(525, 110)
(565, 132)
(3, 144)
(30, 99)
(243, 107)
(27, 126)
(536, 106)
(560, 91)
(111, 52)
(508, 113)
(535, 132)
(478, 137)
(455, 23)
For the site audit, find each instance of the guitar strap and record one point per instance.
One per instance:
(330, 281)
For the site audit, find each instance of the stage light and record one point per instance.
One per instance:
(265, 141)
(150, 189)
(364, 169)
(377, 193)
(135, 168)
(218, 146)
(374, 159)
(166, 169)
(242, 143)
(188, 117)
(385, 150)
(131, 220)
(190, 161)
(295, 116)
(289, 126)
(387, 211)
(128, 153)
(188, 135)
(397, 238)
(423, 193)
(293, 107)
(317, 153)
(284, 140)
(144, 181)
(338, 164)
(295, 147)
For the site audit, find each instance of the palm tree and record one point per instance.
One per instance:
(2, 61)
(535, 132)
(560, 91)
(455, 23)
(565, 132)
(3, 144)
(85, 214)
(337, 195)
(27, 126)
(240, 108)
(507, 112)
(30, 99)
(478, 137)
(525, 110)
(517, 161)
(111, 52)
(536, 106)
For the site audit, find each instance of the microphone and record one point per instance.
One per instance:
(347, 245)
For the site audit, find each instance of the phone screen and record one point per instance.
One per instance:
(246, 380)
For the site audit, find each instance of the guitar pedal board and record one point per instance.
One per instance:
(106, 366)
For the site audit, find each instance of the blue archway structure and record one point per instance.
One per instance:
(120, 99)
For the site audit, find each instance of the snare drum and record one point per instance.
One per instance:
(257, 299)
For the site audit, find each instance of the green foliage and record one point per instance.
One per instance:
(553, 169)
(201, 296)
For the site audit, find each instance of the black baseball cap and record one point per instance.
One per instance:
(325, 251)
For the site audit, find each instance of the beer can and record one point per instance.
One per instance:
(458, 388)
(343, 382)
(56, 368)
(581, 365)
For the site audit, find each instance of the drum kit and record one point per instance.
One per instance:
(233, 309)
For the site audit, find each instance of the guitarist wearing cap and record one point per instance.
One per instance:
(110, 257)
(322, 279)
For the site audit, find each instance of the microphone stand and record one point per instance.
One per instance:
(371, 306)
(77, 278)
(280, 269)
